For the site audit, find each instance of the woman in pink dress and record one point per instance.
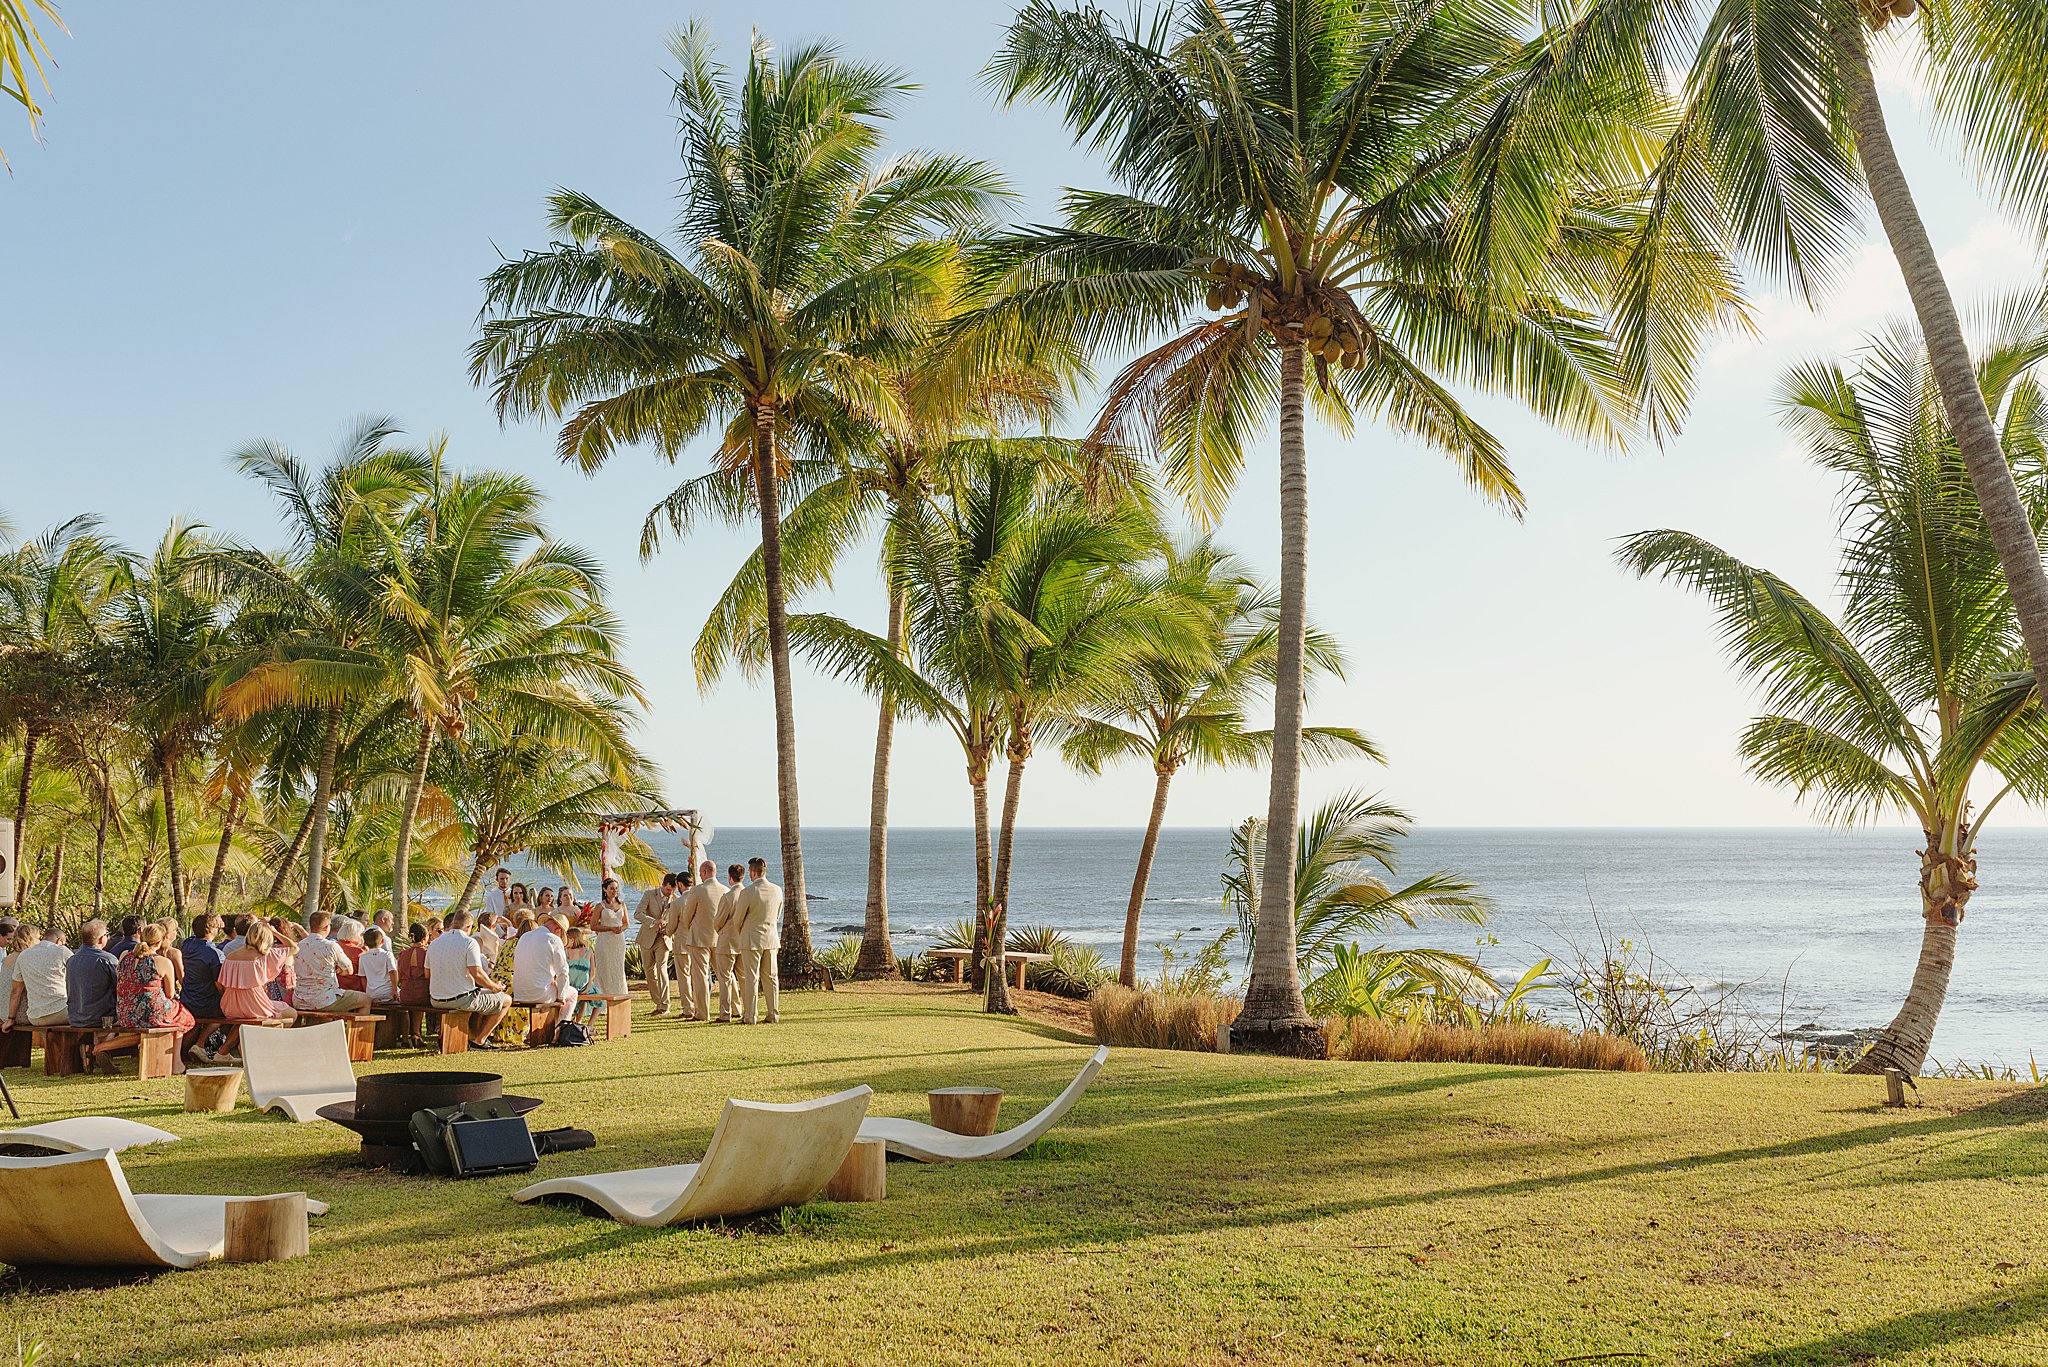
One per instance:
(247, 974)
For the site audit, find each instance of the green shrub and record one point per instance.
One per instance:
(841, 958)
(1074, 971)
(921, 968)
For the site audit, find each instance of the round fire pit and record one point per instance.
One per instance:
(382, 1111)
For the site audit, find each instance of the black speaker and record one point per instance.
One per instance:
(485, 1148)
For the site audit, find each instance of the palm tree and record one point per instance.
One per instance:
(1337, 900)
(1781, 136)
(23, 50)
(952, 414)
(805, 266)
(55, 594)
(484, 619)
(313, 608)
(528, 794)
(170, 629)
(1900, 702)
(1182, 707)
(1302, 196)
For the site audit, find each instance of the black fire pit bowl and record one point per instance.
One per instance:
(383, 1109)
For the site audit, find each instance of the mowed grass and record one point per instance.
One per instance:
(1194, 1209)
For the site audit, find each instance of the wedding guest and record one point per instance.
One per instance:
(379, 967)
(540, 966)
(200, 989)
(90, 978)
(37, 995)
(147, 998)
(248, 975)
(608, 945)
(458, 980)
(318, 964)
(124, 939)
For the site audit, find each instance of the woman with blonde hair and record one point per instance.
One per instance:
(248, 976)
(145, 986)
(24, 936)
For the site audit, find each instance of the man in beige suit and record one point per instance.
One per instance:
(757, 937)
(725, 952)
(652, 915)
(696, 937)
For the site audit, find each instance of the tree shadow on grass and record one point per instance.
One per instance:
(1982, 1316)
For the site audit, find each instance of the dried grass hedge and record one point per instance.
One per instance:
(1135, 1019)
(1536, 1046)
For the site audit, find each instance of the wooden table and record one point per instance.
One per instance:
(864, 1176)
(265, 1229)
(1023, 959)
(965, 1110)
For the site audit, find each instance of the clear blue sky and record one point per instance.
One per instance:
(261, 221)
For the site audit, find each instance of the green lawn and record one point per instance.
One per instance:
(1194, 1209)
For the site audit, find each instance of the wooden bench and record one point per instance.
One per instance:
(618, 1016)
(69, 1050)
(541, 1020)
(362, 1031)
(17, 1046)
(454, 1031)
(206, 1025)
(960, 957)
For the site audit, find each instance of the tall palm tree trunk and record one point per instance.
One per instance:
(220, 854)
(997, 990)
(1127, 967)
(56, 879)
(1948, 875)
(796, 921)
(476, 876)
(877, 955)
(172, 850)
(323, 795)
(2019, 553)
(290, 860)
(401, 860)
(984, 894)
(28, 769)
(1275, 1019)
(99, 859)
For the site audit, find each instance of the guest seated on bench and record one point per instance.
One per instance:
(457, 980)
(125, 941)
(246, 976)
(576, 944)
(318, 963)
(540, 967)
(89, 978)
(413, 997)
(37, 995)
(199, 985)
(379, 967)
(146, 983)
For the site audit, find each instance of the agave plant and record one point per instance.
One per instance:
(1336, 902)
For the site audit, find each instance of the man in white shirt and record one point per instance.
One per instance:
(37, 994)
(458, 981)
(498, 895)
(758, 938)
(540, 966)
(317, 965)
(487, 938)
(652, 917)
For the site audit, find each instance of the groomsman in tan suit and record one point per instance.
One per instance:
(696, 937)
(652, 914)
(725, 952)
(757, 938)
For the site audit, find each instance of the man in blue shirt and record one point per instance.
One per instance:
(89, 977)
(125, 941)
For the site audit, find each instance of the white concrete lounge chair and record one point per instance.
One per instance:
(762, 1155)
(81, 1133)
(299, 1070)
(929, 1144)
(76, 1210)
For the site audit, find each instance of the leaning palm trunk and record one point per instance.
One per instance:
(290, 860)
(99, 860)
(220, 853)
(1127, 968)
(877, 955)
(984, 896)
(476, 876)
(401, 860)
(1948, 875)
(323, 793)
(1976, 437)
(56, 879)
(796, 921)
(1275, 1018)
(173, 853)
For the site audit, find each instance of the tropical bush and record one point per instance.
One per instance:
(1074, 971)
(841, 957)
(921, 968)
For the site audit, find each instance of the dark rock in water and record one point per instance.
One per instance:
(1825, 1043)
(846, 930)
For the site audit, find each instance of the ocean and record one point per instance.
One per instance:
(1813, 926)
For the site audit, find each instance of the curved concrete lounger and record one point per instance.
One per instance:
(81, 1133)
(929, 1144)
(763, 1155)
(76, 1210)
(298, 1070)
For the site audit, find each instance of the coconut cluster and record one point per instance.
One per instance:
(1325, 320)
(1878, 13)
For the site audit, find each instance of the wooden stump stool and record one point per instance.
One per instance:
(265, 1229)
(966, 1110)
(864, 1176)
(212, 1089)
